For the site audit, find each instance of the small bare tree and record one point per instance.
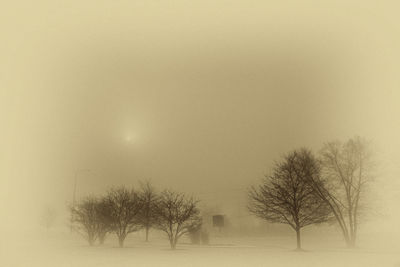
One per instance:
(149, 198)
(85, 219)
(122, 209)
(176, 214)
(286, 197)
(346, 170)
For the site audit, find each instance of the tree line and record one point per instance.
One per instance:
(304, 189)
(122, 211)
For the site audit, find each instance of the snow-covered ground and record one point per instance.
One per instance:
(63, 249)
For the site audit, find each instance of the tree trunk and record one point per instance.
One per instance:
(91, 240)
(349, 240)
(147, 234)
(351, 243)
(298, 239)
(172, 242)
(121, 240)
(102, 237)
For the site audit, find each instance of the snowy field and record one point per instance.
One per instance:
(69, 250)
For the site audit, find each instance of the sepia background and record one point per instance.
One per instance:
(198, 96)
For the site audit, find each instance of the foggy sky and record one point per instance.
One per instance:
(198, 96)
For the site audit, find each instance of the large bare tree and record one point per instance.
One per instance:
(346, 170)
(122, 209)
(176, 214)
(286, 197)
(149, 199)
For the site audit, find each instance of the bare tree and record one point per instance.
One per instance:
(85, 219)
(149, 198)
(122, 210)
(286, 197)
(103, 231)
(176, 215)
(346, 169)
(104, 222)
